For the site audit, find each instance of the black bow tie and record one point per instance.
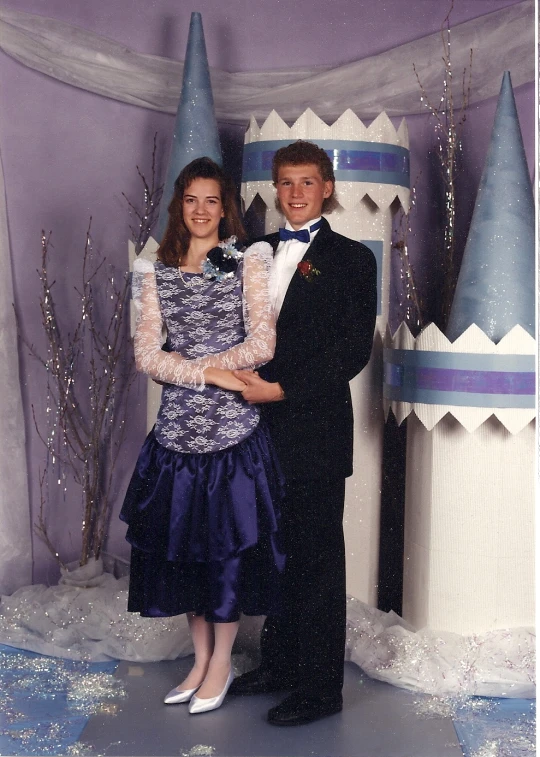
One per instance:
(302, 235)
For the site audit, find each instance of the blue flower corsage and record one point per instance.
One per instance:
(222, 261)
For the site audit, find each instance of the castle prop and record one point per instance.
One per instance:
(470, 400)
(371, 166)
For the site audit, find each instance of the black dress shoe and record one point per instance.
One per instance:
(299, 709)
(260, 681)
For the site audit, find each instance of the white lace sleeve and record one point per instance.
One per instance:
(170, 367)
(141, 267)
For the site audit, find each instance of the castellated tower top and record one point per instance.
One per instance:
(368, 160)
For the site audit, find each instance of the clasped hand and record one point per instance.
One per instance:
(257, 390)
(224, 378)
(254, 389)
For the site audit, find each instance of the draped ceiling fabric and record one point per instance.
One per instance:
(380, 82)
(95, 64)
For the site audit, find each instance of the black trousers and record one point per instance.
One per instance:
(305, 643)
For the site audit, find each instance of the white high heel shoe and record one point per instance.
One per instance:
(176, 696)
(205, 705)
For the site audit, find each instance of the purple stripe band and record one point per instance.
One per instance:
(457, 380)
(485, 382)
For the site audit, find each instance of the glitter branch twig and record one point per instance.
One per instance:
(413, 314)
(147, 216)
(41, 526)
(90, 372)
(448, 125)
(89, 375)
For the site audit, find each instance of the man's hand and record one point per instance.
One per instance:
(258, 390)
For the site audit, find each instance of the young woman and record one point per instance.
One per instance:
(201, 505)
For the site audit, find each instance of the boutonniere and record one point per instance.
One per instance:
(307, 270)
(222, 261)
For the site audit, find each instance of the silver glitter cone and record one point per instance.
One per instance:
(195, 129)
(495, 288)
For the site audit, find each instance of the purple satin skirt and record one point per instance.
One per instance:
(204, 531)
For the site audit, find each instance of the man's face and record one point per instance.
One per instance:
(301, 192)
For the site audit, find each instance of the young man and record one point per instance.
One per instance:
(324, 292)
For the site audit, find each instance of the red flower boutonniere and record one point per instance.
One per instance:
(307, 270)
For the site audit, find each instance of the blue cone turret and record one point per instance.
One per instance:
(195, 129)
(496, 284)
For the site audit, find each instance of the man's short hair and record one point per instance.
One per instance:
(301, 153)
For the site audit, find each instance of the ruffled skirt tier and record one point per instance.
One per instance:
(203, 530)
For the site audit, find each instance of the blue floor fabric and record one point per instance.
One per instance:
(44, 704)
(506, 726)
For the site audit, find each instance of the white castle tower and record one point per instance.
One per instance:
(469, 496)
(371, 165)
(470, 398)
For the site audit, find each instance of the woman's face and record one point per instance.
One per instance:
(202, 208)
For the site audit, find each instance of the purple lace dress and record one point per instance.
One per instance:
(202, 504)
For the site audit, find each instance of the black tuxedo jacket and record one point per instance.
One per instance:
(324, 338)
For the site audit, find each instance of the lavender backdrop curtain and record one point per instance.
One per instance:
(93, 63)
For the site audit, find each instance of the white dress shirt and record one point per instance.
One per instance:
(288, 255)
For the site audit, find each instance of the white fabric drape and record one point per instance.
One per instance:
(15, 531)
(85, 618)
(502, 40)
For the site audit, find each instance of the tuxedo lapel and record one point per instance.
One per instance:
(318, 249)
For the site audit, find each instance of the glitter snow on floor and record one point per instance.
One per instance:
(45, 702)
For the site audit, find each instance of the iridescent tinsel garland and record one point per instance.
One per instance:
(199, 750)
(496, 728)
(45, 702)
(486, 727)
(498, 663)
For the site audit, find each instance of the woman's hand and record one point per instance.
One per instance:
(224, 379)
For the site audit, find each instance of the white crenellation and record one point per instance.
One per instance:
(473, 341)
(309, 126)
(274, 128)
(347, 127)
(253, 132)
(403, 134)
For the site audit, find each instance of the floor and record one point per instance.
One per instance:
(378, 720)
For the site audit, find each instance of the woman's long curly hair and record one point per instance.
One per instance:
(173, 249)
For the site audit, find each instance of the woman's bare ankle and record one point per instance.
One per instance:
(195, 676)
(215, 679)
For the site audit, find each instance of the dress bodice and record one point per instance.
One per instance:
(202, 317)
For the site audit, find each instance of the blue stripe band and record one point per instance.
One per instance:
(460, 360)
(462, 399)
(352, 161)
(470, 380)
